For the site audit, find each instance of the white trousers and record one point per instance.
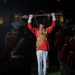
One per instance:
(42, 57)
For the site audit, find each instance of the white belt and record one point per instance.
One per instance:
(17, 56)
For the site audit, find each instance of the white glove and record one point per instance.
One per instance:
(30, 18)
(53, 16)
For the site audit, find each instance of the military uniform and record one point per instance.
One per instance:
(42, 44)
(63, 49)
(18, 62)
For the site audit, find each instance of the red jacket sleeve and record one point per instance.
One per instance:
(50, 28)
(31, 28)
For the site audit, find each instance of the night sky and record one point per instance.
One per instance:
(31, 6)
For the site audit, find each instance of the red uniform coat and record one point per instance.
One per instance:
(60, 39)
(65, 53)
(45, 44)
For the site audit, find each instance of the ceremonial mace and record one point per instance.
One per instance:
(35, 15)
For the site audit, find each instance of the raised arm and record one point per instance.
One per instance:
(30, 24)
(53, 23)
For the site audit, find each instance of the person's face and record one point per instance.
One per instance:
(41, 26)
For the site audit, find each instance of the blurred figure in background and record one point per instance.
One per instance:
(16, 54)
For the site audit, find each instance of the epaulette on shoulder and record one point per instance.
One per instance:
(8, 35)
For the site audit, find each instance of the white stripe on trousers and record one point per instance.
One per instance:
(42, 57)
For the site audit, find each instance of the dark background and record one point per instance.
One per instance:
(9, 7)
